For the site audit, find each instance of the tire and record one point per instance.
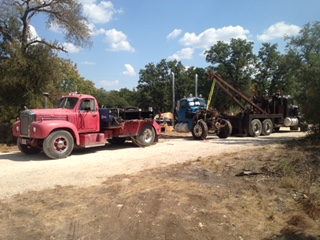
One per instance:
(146, 137)
(116, 141)
(200, 130)
(58, 144)
(267, 127)
(255, 128)
(26, 149)
(226, 130)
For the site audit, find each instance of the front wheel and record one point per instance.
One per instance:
(255, 128)
(146, 137)
(200, 130)
(58, 144)
(225, 129)
(26, 149)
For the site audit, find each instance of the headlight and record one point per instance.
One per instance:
(34, 129)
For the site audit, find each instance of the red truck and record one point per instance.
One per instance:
(78, 121)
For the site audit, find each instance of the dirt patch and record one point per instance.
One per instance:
(244, 195)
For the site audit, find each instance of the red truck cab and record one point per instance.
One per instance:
(78, 120)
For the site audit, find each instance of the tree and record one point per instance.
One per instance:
(234, 62)
(72, 81)
(16, 17)
(266, 78)
(29, 65)
(304, 50)
(155, 88)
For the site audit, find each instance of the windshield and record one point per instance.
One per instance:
(68, 102)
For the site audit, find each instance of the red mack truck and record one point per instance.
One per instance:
(78, 121)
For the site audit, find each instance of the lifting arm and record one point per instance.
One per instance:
(224, 85)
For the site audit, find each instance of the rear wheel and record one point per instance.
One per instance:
(255, 128)
(267, 127)
(146, 137)
(225, 129)
(26, 149)
(58, 144)
(200, 130)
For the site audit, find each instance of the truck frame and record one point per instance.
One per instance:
(265, 114)
(78, 121)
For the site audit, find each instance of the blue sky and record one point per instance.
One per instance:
(129, 34)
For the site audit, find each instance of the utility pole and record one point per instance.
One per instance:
(196, 84)
(173, 98)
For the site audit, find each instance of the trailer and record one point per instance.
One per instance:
(78, 121)
(265, 115)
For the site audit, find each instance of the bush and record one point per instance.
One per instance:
(6, 134)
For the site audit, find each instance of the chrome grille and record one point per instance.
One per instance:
(26, 118)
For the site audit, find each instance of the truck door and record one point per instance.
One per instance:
(88, 116)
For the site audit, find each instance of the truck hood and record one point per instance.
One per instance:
(49, 114)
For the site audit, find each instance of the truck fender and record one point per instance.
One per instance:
(45, 128)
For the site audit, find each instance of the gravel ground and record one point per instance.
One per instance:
(87, 167)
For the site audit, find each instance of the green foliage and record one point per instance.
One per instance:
(156, 84)
(304, 50)
(234, 62)
(119, 99)
(269, 76)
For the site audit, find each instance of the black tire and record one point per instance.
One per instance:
(226, 129)
(58, 144)
(267, 127)
(116, 141)
(200, 130)
(26, 149)
(146, 137)
(255, 128)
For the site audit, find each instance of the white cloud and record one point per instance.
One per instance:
(185, 53)
(88, 63)
(210, 36)
(129, 70)
(278, 30)
(98, 32)
(71, 48)
(118, 41)
(99, 13)
(32, 34)
(108, 83)
(174, 34)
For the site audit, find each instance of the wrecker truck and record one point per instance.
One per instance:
(265, 115)
(78, 121)
(194, 115)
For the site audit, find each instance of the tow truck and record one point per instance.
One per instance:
(265, 114)
(78, 121)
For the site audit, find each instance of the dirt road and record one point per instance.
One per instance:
(86, 167)
(178, 189)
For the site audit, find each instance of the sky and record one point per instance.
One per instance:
(127, 35)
